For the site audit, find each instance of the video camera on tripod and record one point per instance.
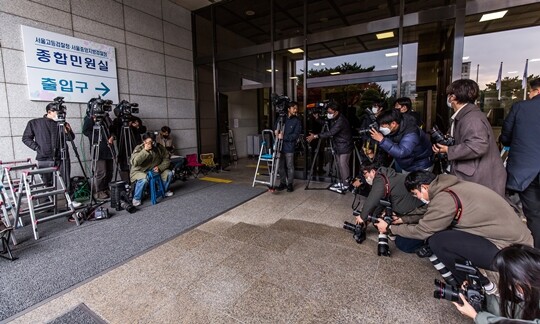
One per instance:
(372, 123)
(60, 108)
(281, 104)
(98, 108)
(474, 291)
(125, 109)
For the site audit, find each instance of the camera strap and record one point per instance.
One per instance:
(459, 207)
(386, 187)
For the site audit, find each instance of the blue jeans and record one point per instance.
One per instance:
(408, 245)
(141, 184)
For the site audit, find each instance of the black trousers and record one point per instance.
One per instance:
(452, 245)
(530, 200)
(104, 174)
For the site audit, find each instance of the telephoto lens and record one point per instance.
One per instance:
(444, 291)
(382, 246)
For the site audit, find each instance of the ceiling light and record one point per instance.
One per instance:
(293, 77)
(534, 60)
(393, 66)
(250, 12)
(493, 15)
(323, 64)
(316, 64)
(270, 70)
(465, 57)
(391, 54)
(389, 34)
(512, 72)
(335, 73)
(296, 50)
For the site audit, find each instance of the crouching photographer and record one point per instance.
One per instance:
(388, 185)
(463, 221)
(519, 288)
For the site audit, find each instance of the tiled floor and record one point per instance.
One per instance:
(279, 258)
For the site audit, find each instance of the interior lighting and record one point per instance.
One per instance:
(296, 50)
(534, 60)
(293, 77)
(512, 72)
(465, 58)
(391, 54)
(493, 15)
(250, 12)
(335, 73)
(393, 66)
(389, 34)
(270, 70)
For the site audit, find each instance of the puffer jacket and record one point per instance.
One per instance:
(402, 200)
(484, 213)
(41, 135)
(409, 146)
(340, 132)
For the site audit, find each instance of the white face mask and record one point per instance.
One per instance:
(424, 201)
(330, 116)
(369, 181)
(448, 102)
(384, 130)
(375, 109)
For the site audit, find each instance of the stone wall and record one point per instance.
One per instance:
(153, 43)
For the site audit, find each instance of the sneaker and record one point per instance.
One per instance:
(290, 188)
(337, 185)
(136, 202)
(76, 204)
(340, 190)
(169, 193)
(281, 187)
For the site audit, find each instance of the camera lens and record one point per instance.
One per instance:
(444, 291)
(349, 226)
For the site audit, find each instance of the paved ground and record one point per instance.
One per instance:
(279, 258)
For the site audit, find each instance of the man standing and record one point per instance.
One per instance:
(41, 135)
(340, 135)
(164, 138)
(404, 106)
(474, 156)
(149, 156)
(522, 166)
(292, 127)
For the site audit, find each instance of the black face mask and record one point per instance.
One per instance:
(165, 136)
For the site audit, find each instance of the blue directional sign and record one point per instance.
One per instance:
(76, 69)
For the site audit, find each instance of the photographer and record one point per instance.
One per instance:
(404, 106)
(340, 135)
(292, 128)
(404, 141)
(149, 156)
(464, 220)
(474, 156)
(41, 135)
(125, 145)
(387, 184)
(164, 138)
(104, 164)
(519, 288)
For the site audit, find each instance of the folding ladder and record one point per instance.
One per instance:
(269, 154)
(33, 191)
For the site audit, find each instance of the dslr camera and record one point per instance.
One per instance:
(98, 107)
(60, 108)
(438, 137)
(372, 123)
(474, 292)
(281, 103)
(359, 231)
(125, 109)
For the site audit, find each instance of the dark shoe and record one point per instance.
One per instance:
(281, 187)
(424, 251)
(290, 188)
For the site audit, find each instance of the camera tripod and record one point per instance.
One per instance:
(278, 145)
(333, 164)
(125, 147)
(63, 138)
(99, 133)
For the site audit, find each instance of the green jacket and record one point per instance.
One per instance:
(492, 314)
(143, 161)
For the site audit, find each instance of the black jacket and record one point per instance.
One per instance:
(291, 131)
(104, 149)
(519, 133)
(41, 135)
(340, 132)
